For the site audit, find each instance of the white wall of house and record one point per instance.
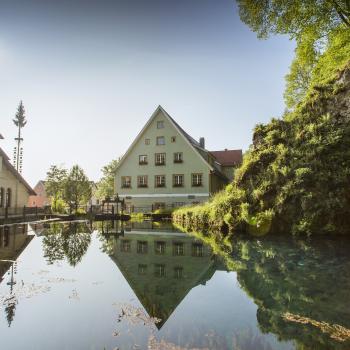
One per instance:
(175, 142)
(9, 181)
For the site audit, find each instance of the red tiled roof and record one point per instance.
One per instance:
(228, 157)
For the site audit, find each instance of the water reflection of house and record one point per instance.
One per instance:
(13, 240)
(162, 268)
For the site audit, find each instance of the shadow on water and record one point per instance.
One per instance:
(300, 287)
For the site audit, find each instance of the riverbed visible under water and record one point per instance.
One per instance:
(149, 286)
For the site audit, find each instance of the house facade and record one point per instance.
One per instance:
(14, 190)
(41, 199)
(166, 167)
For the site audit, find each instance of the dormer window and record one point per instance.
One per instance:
(160, 140)
(160, 124)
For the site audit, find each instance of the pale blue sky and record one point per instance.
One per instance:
(90, 74)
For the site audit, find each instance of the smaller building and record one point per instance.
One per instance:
(14, 190)
(41, 199)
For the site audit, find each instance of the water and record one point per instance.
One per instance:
(149, 286)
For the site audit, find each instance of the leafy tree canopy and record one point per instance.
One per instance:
(77, 188)
(313, 24)
(105, 187)
(54, 184)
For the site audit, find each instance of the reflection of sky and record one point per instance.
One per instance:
(81, 312)
(91, 73)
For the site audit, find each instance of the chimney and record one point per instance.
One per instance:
(202, 142)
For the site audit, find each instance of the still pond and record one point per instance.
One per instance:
(145, 285)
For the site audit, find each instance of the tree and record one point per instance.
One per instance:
(54, 185)
(20, 122)
(77, 188)
(105, 187)
(20, 119)
(311, 23)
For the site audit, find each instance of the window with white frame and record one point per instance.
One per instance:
(178, 272)
(142, 247)
(160, 124)
(160, 140)
(125, 246)
(178, 157)
(178, 204)
(126, 181)
(178, 249)
(142, 269)
(197, 180)
(197, 249)
(159, 270)
(159, 247)
(160, 180)
(142, 181)
(143, 159)
(160, 158)
(178, 180)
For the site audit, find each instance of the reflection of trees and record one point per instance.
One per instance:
(10, 310)
(69, 241)
(309, 281)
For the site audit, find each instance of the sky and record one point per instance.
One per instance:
(91, 72)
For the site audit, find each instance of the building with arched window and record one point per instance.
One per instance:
(14, 190)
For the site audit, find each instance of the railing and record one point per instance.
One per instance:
(11, 212)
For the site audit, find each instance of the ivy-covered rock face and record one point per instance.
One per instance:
(295, 178)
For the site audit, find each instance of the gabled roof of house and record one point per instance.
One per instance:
(11, 168)
(228, 157)
(189, 139)
(232, 157)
